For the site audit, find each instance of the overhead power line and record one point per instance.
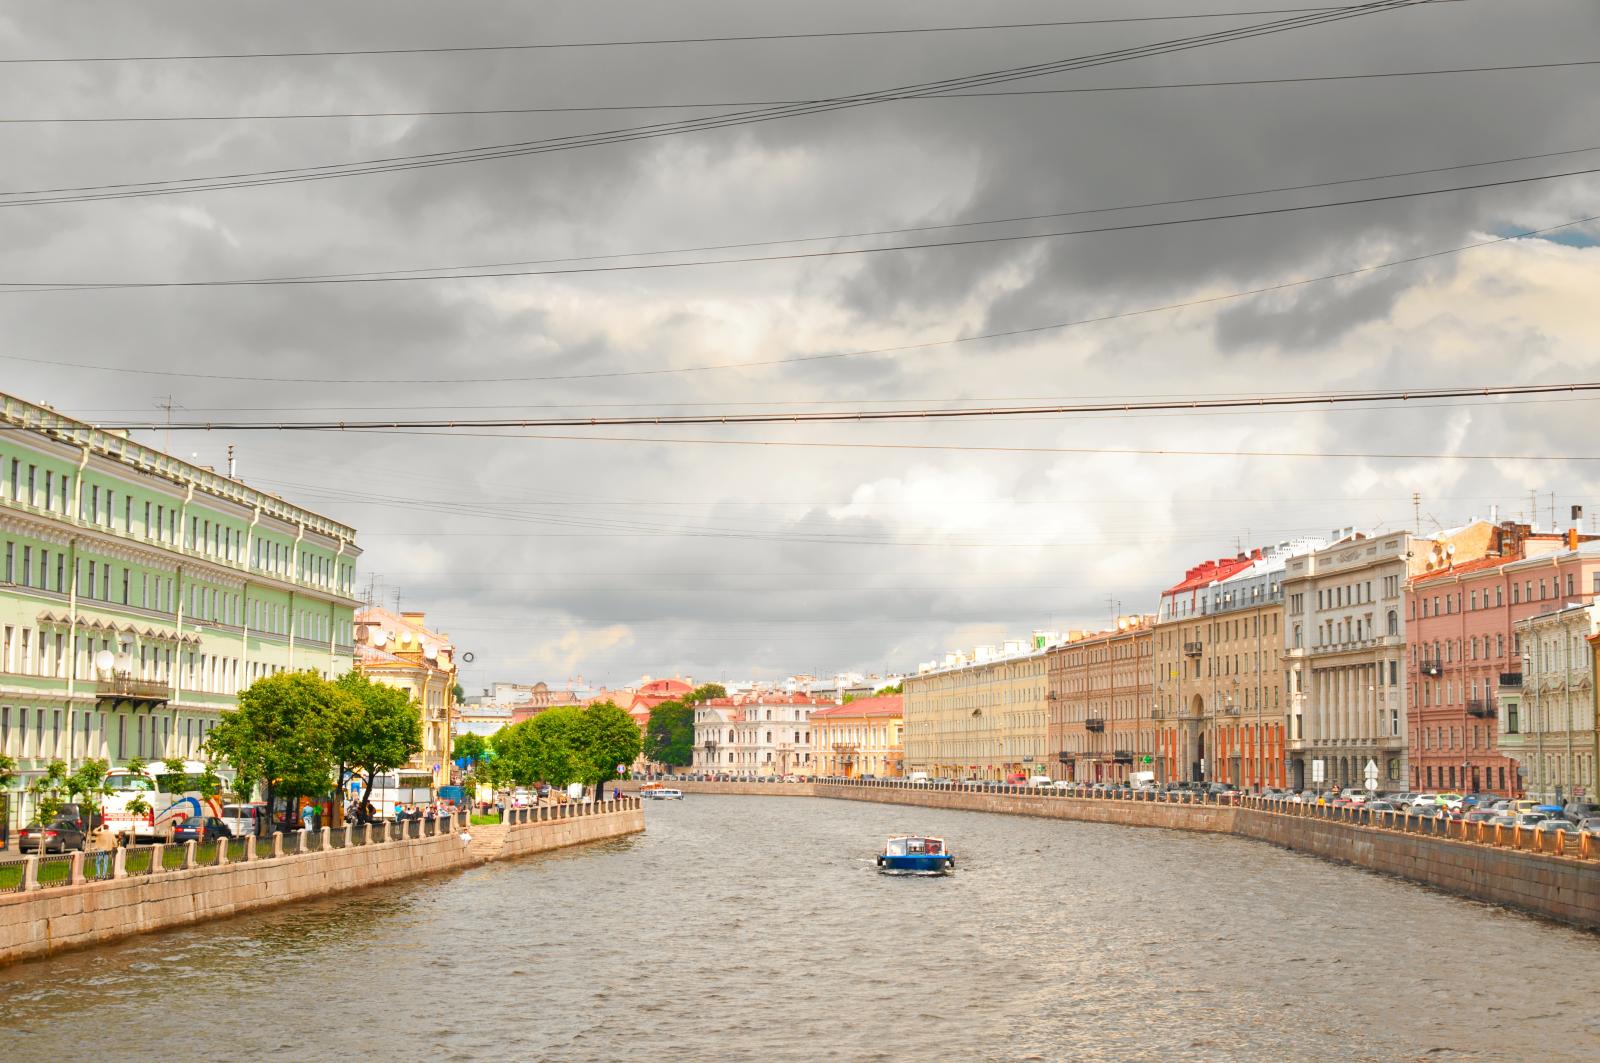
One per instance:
(808, 358)
(20, 287)
(998, 94)
(458, 272)
(1327, 398)
(726, 39)
(391, 164)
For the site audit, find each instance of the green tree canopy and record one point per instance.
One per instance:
(892, 688)
(8, 772)
(607, 737)
(378, 729)
(470, 748)
(704, 693)
(540, 749)
(88, 785)
(282, 734)
(669, 736)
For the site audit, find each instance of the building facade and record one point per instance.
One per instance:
(1101, 691)
(140, 593)
(860, 737)
(1345, 673)
(1219, 691)
(982, 716)
(1464, 649)
(401, 651)
(1547, 724)
(758, 734)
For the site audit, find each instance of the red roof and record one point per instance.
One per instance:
(887, 705)
(1209, 572)
(1477, 564)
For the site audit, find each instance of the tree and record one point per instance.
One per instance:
(8, 772)
(704, 693)
(892, 688)
(606, 737)
(282, 735)
(375, 728)
(47, 799)
(469, 748)
(88, 784)
(541, 749)
(669, 736)
(458, 693)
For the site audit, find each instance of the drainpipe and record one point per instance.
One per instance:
(72, 628)
(294, 574)
(249, 552)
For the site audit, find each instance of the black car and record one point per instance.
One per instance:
(63, 835)
(196, 828)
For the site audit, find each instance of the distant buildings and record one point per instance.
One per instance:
(758, 734)
(1547, 724)
(1219, 688)
(1100, 697)
(983, 715)
(399, 650)
(859, 737)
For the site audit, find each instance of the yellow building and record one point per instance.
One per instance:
(983, 716)
(399, 650)
(861, 737)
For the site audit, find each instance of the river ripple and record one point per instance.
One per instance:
(742, 928)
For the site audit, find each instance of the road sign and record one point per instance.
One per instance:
(1149, 759)
(1371, 773)
(621, 768)
(1317, 772)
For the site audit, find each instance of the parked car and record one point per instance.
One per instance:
(61, 836)
(1481, 815)
(1530, 819)
(1039, 780)
(244, 820)
(1555, 824)
(1503, 819)
(1590, 826)
(201, 829)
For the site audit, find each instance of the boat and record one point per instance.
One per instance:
(915, 854)
(655, 792)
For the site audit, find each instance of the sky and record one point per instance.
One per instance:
(727, 552)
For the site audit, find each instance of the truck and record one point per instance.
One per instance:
(1142, 780)
(918, 778)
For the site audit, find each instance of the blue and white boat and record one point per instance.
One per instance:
(916, 854)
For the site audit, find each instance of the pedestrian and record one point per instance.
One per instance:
(308, 817)
(616, 793)
(102, 841)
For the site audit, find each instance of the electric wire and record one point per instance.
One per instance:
(454, 272)
(585, 109)
(327, 171)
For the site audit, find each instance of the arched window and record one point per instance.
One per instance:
(1394, 622)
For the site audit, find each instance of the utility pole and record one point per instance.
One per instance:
(230, 461)
(168, 405)
(1533, 510)
(1416, 511)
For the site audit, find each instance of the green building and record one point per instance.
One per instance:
(139, 593)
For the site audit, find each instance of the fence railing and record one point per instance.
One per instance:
(27, 873)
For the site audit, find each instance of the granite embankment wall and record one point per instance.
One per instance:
(1501, 870)
(40, 921)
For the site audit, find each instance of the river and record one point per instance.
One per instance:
(751, 928)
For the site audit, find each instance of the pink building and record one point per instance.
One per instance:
(1463, 647)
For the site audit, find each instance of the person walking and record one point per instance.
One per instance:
(308, 816)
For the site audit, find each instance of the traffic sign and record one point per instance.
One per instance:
(1149, 759)
(1317, 772)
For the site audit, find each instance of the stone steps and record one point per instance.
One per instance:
(487, 840)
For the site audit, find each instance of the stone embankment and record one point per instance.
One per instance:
(166, 886)
(1536, 872)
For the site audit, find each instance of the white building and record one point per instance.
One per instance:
(1548, 723)
(756, 734)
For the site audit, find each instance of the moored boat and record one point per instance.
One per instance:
(657, 792)
(916, 854)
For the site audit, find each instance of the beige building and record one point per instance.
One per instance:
(1100, 695)
(1219, 688)
(399, 650)
(982, 716)
(860, 737)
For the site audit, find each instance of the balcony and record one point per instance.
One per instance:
(846, 747)
(127, 688)
(1481, 708)
(1230, 710)
(1065, 756)
(1431, 668)
(1096, 724)
(1511, 680)
(1192, 649)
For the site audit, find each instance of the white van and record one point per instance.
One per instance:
(1039, 780)
(918, 778)
(1142, 780)
(576, 792)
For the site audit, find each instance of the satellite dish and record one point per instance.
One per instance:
(430, 651)
(1451, 550)
(104, 660)
(379, 637)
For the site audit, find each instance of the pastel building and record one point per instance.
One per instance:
(1547, 722)
(139, 593)
(1464, 649)
(401, 651)
(859, 737)
(1100, 698)
(981, 715)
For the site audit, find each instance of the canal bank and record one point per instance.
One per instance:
(1563, 887)
(161, 893)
